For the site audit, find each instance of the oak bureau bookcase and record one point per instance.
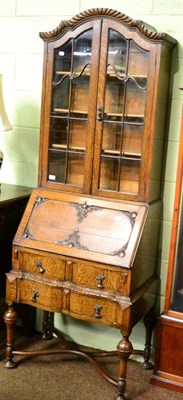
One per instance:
(87, 243)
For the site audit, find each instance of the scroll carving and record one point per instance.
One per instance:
(140, 26)
(73, 241)
(83, 210)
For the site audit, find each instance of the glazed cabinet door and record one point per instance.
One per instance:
(98, 95)
(123, 101)
(70, 92)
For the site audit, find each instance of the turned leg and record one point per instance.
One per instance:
(47, 326)
(149, 322)
(124, 350)
(10, 318)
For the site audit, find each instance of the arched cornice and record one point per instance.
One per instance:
(140, 26)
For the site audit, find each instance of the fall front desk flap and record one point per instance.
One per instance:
(82, 226)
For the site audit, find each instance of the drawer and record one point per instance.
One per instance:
(111, 279)
(49, 266)
(40, 295)
(88, 307)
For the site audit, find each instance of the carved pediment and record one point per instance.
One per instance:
(145, 30)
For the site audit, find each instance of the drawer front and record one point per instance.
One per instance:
(93, 308)
(101, 278)
(40, 295)
(49, 266)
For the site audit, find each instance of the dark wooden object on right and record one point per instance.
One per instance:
(168, 367)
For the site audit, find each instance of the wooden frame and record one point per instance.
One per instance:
(168, 367)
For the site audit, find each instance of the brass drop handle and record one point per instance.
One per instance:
(97, 309)
(39, 266)
(99, 113)
(100, 279)
(35, 295)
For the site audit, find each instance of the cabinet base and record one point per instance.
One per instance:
(168, 366)
(167, 383)
(124, 350)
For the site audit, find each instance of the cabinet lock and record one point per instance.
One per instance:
(97, 311)
(35, 295)
(99, 113)
(100, 279)
(39, 266)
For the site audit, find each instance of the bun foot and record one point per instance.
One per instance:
(146, 365)
(10, 364)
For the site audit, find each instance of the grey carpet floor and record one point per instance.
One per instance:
(66, 377)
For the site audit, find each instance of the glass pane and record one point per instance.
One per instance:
(59, 132)
(114, 98)
(75, 172)
(82, 51)
(57, 163)
(61, 85)
(63, 58)
(126, 139)
(138, 60)
(109, 173)
(61, 95)
(111, 140)
(116, 68)
(129, 176)
(132, 140)
(77, 135)
(79, 95)
(117, 53)
(135, 99)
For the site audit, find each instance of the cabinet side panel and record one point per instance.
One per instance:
(163, 65)
(145, 264)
